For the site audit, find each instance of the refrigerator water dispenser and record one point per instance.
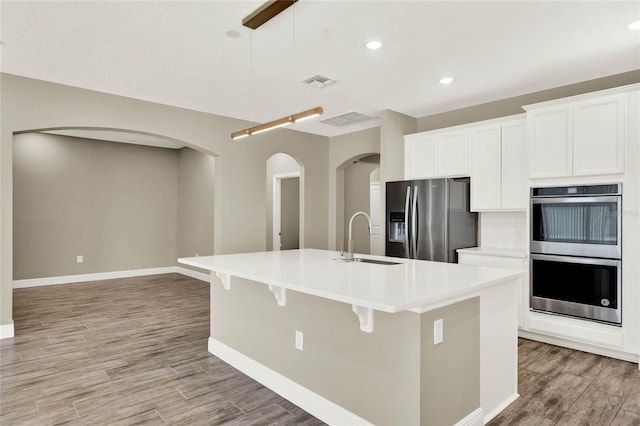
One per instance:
(396, 227)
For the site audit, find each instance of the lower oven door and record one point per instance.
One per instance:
(578, 286)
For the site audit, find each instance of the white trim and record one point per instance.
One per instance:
(193, 274)
(584, 347)
(500, 408)
(7, 331)
(317, 405)
(66, 279)
(474, 418)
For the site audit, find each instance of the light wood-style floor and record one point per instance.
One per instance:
(134, 351)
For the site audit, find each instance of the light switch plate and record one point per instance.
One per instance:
(299, 340)
(438, 331)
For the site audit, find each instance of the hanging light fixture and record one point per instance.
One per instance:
(267, 11)
(281, 122)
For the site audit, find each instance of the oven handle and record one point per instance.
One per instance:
(562, 200)
(581, 260)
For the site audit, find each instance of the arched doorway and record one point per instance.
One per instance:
(285, 202)
(358, 194)
(93, 201)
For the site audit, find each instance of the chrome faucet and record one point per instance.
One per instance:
(349, 255)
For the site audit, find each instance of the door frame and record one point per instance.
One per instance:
(277, 198)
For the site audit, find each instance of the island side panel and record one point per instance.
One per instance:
(450, 371)
(373, 375)
(499, 347)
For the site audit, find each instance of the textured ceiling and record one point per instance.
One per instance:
(178, 53)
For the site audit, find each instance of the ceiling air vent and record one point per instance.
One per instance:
(347, 119)
(319, 81)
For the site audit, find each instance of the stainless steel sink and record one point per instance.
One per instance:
(377, 262)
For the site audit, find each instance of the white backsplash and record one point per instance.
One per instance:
(503, 230)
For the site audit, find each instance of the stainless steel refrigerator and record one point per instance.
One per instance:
(429, 219)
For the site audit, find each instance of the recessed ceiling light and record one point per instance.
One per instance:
(634, 26)
(233, 34)
(374, 45)
(446, 80)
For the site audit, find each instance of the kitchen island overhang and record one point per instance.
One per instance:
(390, 373)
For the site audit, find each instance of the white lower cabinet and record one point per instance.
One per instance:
(505, 259)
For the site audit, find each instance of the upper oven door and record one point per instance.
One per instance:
(577, 226)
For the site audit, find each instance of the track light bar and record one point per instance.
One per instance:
(281, 122)
(265, 12)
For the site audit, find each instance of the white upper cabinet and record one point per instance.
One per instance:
(550, 133)
(515, 176)
(452, 154)
(486, 164)
(436, 154)
(419, 157)
(599, 135)
(498, 166)
(578, 138)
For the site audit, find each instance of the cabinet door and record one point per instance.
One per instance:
(420, 157)
(550, 139)
(515, 190)
(485, 159)
(452, 154)
(599, 135)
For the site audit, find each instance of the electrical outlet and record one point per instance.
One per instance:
(438, 331)
(79, 259)
(299, 340)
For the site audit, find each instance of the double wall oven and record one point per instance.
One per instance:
(576, 251)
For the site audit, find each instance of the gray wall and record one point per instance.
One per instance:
(353, 368)
(196, 172)
(511, 106)
(344, 150)
(113, 203)
(240, 202)
(457, 362)
(356, 198)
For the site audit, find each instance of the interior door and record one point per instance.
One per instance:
(289, 213)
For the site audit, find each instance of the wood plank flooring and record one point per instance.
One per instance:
(560, 386)
(126, 351)
(134, 351)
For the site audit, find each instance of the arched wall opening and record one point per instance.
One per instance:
(356, 192)
(285, 193)
(240, 204)
(102, 200)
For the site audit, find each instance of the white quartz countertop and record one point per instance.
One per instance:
(412, 284)
(490, 251)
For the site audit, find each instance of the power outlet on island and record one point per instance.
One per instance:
(299, 340)
(438, 331)
(79, 259)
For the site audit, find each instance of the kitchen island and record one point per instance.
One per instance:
(354, 342)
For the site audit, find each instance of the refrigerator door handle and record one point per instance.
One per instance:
(414, 222)
(406, 223)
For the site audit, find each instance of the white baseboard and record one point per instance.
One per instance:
(6, 331)
(499, 408)
(474, 418)
(193, 274)
(579, 346)
(66, 279)
(317, 405)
